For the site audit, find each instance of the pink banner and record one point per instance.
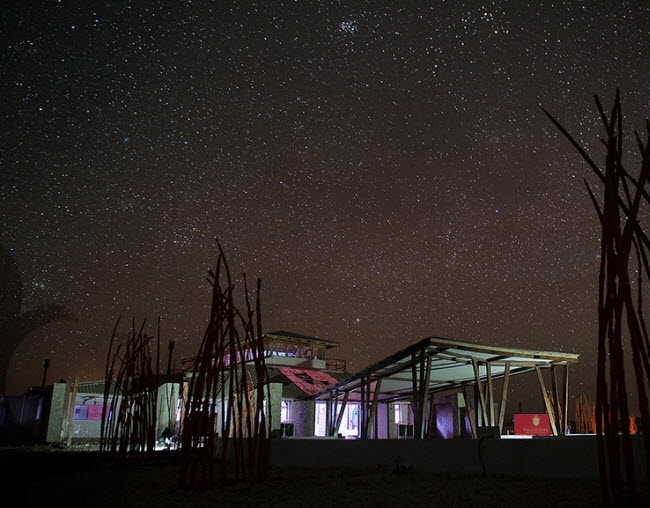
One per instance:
(95, 412)
(309, 381)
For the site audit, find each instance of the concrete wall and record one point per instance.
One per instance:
(85, 429)
(303, 417)
(54, 413)
(567, 457)
(166, 406)
(275, 393)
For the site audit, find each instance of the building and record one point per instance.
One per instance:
(435, 388)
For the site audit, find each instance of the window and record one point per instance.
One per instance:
(321, 415)
(285, 412)
(401, 413)
(80, 412)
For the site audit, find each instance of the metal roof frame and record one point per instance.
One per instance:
(438, 364)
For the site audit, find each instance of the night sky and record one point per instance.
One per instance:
(383, 167)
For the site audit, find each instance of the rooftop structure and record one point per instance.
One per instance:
(437, 364)
(295, 350)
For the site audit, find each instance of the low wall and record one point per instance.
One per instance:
(566, 457)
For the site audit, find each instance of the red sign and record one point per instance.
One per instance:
(532, 425)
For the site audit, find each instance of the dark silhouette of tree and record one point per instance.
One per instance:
(14, 325)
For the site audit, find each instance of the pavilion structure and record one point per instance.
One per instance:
(437, 365)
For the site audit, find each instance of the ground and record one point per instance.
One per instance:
(80, 477)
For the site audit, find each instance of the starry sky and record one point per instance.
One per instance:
(383, 167)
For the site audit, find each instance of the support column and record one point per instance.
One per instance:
(559, 417)
(309, 418)
(363, 409)
(481, 394)
(391, 431)
(339, 417)
(71, 408)
(424, 389)
(566, 397)
(329, 416)
(547, 402)
(470, 412)
(415, 396)
(373, 406)
(490, 393)
(56, 413)
(432, 422)
(504, 397)
(166, 403)
(275, 393)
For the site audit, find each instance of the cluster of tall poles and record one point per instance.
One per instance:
(621, 324)
(128, 424)
(226, 394)
(225, 422)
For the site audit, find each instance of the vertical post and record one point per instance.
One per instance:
(184, 397)
(310, 418)
(566, 397)
(481, 395)
(373, 405)
(46, 364)
(339, 418)
(547, 403)
(424, 389)
(73, 401)
(504, 397)
(488, 367)
(559, 419)
(328, 415)
(170, 347)
(470, 413)
(477, 407)
(414, 396)
(432, 423)
(363, 416)
(390, 421)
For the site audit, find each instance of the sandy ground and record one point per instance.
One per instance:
(80, 477)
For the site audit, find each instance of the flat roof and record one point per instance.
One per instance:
(452, 365)
(299, 338)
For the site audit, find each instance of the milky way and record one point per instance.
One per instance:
(383, 167)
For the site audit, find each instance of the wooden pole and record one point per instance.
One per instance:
(559, 418)
(481, 394)
(504, 397)
(566, 397)
(432, 422)
(415, 396)
(328, 415)
(339, 418)
(470, 413)
(490, 392)
(547, 403)
(364, 410)
(184, 397)
(73, 402)
(373, 405)
(64, 420)
(477, 407)
(424, 389)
